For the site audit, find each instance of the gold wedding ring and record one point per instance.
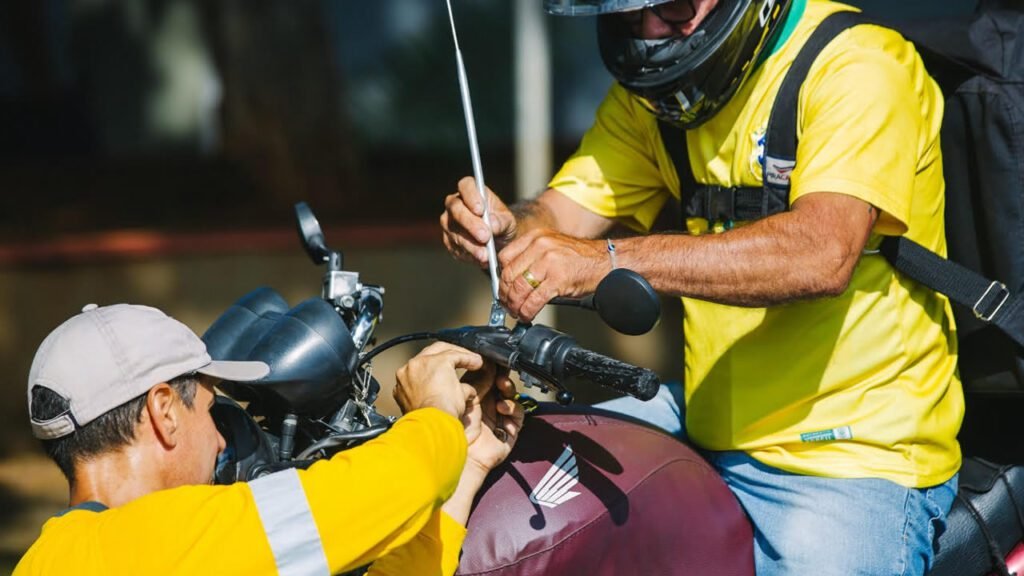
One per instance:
(530, 279)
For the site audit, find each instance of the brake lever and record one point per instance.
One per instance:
(505, 347)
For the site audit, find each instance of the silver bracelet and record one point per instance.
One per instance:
(611, 253)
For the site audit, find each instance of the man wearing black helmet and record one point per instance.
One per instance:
(819, 382)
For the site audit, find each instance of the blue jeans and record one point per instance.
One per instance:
(812, 525)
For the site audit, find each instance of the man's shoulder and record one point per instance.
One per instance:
(869, 56)
(622, 106)
(53, 551)
(71, 520)
(864, 37)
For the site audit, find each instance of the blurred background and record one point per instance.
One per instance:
(151, 151)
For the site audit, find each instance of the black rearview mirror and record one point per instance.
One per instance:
(311, 234)
(627, 302)
(624, 300)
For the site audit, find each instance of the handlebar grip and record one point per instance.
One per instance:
(637, 382)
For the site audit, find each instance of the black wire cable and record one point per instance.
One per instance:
(395, 342)
(335, 440)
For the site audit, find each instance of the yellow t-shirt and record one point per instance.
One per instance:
(861, 385)
(377, 502)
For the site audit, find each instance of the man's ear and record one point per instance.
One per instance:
(164, 414)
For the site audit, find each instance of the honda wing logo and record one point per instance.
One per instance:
(554, 488)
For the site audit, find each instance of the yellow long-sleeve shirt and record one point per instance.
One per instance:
(378, 502)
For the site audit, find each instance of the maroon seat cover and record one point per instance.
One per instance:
(1015, 560)
(624, 499)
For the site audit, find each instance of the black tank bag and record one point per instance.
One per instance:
(979, 63)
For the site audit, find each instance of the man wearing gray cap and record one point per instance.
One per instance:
(121, 397)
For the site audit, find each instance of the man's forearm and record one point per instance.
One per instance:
(531, 214)
(461, 502)
(787, 257)
(553, 210)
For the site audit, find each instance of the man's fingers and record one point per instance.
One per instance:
(472, 416)
(458, 246)
(465, 235)
(472, 400)
(486, 373)
(503, 382)
(506, 407)
(464, 218)
(430, 379)
(459, 358)
(512, 423)
(524, 300)
(536, 300)
(482, 380)
(519, 257)
(470, 194)
(510, 253)
(441, 347)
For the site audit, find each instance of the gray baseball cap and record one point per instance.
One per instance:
(108, 355)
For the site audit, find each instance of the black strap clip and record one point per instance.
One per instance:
(991, 302)
(713, 203)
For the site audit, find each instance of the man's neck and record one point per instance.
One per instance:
(115, 478)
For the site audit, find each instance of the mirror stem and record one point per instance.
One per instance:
(587, 302)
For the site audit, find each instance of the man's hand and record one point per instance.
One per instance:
(543, 264)
(493, 420)
(430, 379)
(465, 234)
(546, 237)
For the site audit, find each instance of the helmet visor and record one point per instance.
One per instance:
(595, 7)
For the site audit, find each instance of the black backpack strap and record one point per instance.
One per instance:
(991, 301)
(674, 140)
(742, 203)
(780, 138)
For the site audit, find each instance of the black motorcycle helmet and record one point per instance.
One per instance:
(683, 80)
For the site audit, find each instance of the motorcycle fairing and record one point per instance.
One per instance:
(309, 349)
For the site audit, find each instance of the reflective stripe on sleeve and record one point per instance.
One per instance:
(289, 525)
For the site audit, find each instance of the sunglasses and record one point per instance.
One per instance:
(675, 13)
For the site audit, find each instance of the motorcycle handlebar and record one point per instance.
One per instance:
(552, 356)
(633, 380)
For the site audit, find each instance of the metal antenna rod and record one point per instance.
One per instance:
(497, 317)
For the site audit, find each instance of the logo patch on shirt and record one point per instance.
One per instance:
(756, 164)
(777, 171)
(841, 433)
(554, 488)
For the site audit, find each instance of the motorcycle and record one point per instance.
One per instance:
(585, 491)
